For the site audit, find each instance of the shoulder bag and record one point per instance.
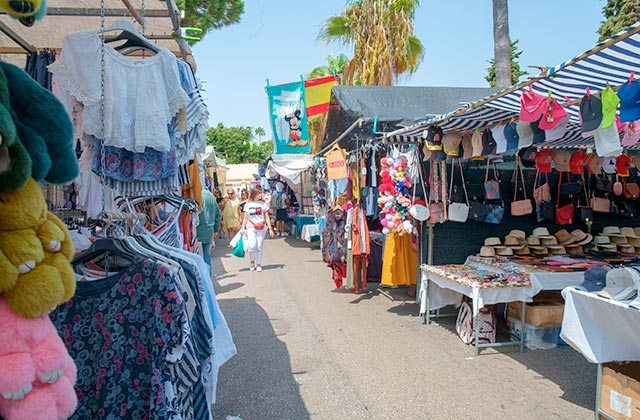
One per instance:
(458, 212)
(437, 211)
(564, 214)
(491, 186)
(541, 192)
(632, 189)
(585, 213)
(520, 207)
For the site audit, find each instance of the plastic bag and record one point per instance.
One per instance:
(235, 240)
(239, 249)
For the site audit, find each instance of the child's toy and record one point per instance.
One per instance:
(394, 200)
(26, 11)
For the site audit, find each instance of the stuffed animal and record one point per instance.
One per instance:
(35, 253)
(36, 372)
(26, 11)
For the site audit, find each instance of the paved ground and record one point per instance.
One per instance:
(308, 351)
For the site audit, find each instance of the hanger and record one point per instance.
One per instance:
(134, 40)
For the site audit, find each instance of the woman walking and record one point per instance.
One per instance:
(256, 223)
(231, 214)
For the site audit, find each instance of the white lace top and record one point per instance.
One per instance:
(141, 95)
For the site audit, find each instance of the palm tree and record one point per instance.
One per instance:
(501, 43)
(335, 65)
(259, 131)
(381, 34)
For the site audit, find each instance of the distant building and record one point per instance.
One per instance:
(241, 176)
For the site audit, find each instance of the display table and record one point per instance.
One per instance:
(602, 330)
(310, 233)
(303, 220)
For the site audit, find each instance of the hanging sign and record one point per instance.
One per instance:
(336, 163)
(289, 118)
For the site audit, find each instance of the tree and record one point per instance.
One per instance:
(381, 34)
(618, 14)
(501, 43)
(259, 131)
(516, 71)
(234, 144)
(335, 65)
(210, 14)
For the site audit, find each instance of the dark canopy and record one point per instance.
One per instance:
(394, 106)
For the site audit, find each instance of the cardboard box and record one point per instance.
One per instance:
(620, 391)
(540, 314)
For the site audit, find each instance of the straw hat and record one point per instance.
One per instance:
(539, 250)
(611, 231)
(629, 232)
(582, 238)
(558, 250)
(518, 234)
(549, 241)
(492, 242)
(618, 240)
(504, 251)
(533, 241)
(603, 243)
(564, 237)
(522, 251)
(513, 241)
(574, 250)
(487, 252)
(637, 230)
(635, 242)
(541, 232)
(627, 250)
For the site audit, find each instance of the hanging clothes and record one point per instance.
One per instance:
(334, 244)
(400, 262)
(36, 67)
(193, 190)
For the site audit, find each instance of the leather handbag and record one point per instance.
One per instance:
(604, 184)
(458, 212)
(631, 190)
(584, 213)
(542, 192)
(491, 186)
(478, 211)
(547, 210)
(520, 207)
(564, 214)
(600, 204)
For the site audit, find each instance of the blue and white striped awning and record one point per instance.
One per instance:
(611, 61)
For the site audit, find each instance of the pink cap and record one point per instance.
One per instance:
(552, 115)
(532, 106)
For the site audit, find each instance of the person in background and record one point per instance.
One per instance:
(281, 204)
(231, 214)
(244, 197)
(256, 223)
(209, 224)
(218, 195)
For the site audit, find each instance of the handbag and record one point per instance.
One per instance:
(465, 324)
(600, 204)
(520, 207)
(458, 212)
(541, 192)
(478, 211)
(491, 186)
(632, 189)
(495, 214)
(564, 214)
(585, 213)
(437, 211)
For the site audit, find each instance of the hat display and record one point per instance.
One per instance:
(558, 250)
(607, 141)
(451, 143)
(525, 134)
(533, 241)
(623, 165)
(434, 136)
(543, 160)
(518, 234)
(504, 251)
(622, 284)
(629, 233)
(558, 131)
(489, 145)
(541, 232)
(612, 231)
(539, 250)
(637, 230)
(522, 251)
(609, 165)
(512, 241)
(603, 243)
(492, 242)
(634, 241)
(610, 101)
(564, 237)
(552, 115)
(577, 162)
(594, 164)
(487, 252)
(539, 135)
(532, 106)
(618, 240)
(499, 137)
(629, 94)
(549, 241)
(631, 133)
(595, 279)
(511, 134)
(627, 250)
(561, 159)
(476, 143)
(582, 238)
(590, 113)
(574, 250)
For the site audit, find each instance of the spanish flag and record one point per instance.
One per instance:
(317, 93)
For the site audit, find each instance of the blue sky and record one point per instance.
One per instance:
(277, 40)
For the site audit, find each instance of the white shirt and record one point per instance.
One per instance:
(256, 211)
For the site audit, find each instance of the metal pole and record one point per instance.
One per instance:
(357, 123)
(17, 38)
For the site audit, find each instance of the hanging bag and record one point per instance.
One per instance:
(632, 189)
(491, 186)
(458, 212)
(238, 250)
(436, 204)
(564, 214)
(541, 193)
(520, 207)
(585, 213)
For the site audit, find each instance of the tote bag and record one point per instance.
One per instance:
(520, 207)
(491, 186)
(458, 212)
(238, 250)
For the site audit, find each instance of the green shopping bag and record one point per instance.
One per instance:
(238, 251)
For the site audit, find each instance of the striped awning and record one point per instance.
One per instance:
(611, 61)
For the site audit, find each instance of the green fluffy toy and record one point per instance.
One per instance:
(37, 133)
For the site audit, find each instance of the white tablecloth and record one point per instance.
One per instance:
(309, 231)
(601, 329)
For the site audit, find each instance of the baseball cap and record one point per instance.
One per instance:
(451, 143)
(539, 136)
(467, 147)
(499, 137)
(629, 94)
(610, 101)
(525, 134)
(561, 159)
(511, 134)
(595, 279)
(532, 105)
(528, 156)
(558, 131)
(623, 165)
(622, 284)
(434, 138)
(552, 116)
(609, 165)
(631, 133)
(543, 160)
(577, 162)
(590, 112)
(476, 143)
(489, 144)
(608, 141)
(594, 164)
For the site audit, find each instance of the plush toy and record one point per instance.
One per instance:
(394, 201)
(36, 372)
(26, 11)
(35, 253)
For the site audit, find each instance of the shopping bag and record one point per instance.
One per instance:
(239, 249)
(235, 240)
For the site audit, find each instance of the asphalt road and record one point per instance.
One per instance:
(306, 351)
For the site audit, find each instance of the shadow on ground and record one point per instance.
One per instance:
(258, 383)
(299, 243)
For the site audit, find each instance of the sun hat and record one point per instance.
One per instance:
(561, 159)
(595, 279)
(590, 112)
(522, 250)
(476, 143)
(631, 133)
(500, 138)
(533, 241)
(594, 164)
(627, 249)
(487, 252)
(539, 250)
(634, 241)
(610, 102)
(622, 284)
(611, 231)
(532, 105)
(539, 135)
(582, 238)
(434, 136)
(504, 251)
(512, 241)
(548, 241)
(525, 134)
(541, 232)
(607, 141)
(492, 242)
(564, 237)
(511, 134)
(628, 232)
(451, 143)
(577, 162)
(609, 165)
(518, 234)
(543, 160)
(619, 240)
(558, 250)
(629, 94)
(623, 165)
(489, 144)
(552, 116)
(603, 243)
(574, 249)
(467, 146)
